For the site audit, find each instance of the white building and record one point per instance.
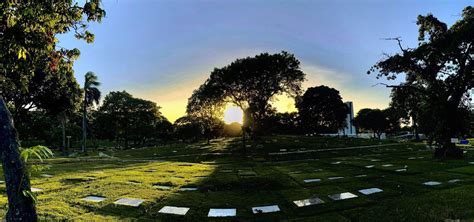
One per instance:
(349, 129)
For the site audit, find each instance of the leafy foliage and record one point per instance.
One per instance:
(125, 118)
(321, 109)
(439, 74)
(252, 83)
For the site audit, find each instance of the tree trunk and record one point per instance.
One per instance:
(20, 206)
(63, 129)
(84, 127)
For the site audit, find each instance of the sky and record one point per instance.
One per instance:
(162, 50)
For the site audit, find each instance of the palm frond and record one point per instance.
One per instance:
(40, 152)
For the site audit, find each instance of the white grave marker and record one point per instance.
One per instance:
(218, 212)
(308, 202)
(370, 191)
(95, 199)
(432, 183)
(312, 180)
(129, 202)
(342, 196)
(174, 210)
(265, 209)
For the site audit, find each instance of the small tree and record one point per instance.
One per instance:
(321, 109)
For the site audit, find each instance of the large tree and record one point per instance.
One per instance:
(252, 83)
(206, 111)
(374, 120)
(321, 109)
(125, 118)
(91, 96)
(440, 70)
(28, 45)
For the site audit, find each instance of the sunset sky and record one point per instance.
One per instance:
(163, 50)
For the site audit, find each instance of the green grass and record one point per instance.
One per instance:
(243, 180)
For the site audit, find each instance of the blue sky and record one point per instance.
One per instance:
(162, 50)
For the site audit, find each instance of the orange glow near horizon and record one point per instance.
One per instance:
(233, 114)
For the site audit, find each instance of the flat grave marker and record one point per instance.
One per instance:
(401, 170)
(312, 180)
(46, 175)
(432, 183)
(342, 196)
(265, 209)
(387, 165)
(369, 191)
(370, 166)
(174, 210)
(308, 202)
(337, 162)
(129, 202)
(454, 180)
(188, 188)
(335, 178)
(222, 212)
(95, 199)
(362, 175)
(36, 190)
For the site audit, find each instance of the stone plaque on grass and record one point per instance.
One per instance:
(36, 190)
(95, 199)
(335, 178)
(401, 170)
(370, 166)
(188, 188)
(46, 175)
(362, 175)
(174, 210)
(265, 209)
(312, 180)
(308, 202)
(432, 183)
(222, 212)
(129, 202)
(342, 196)
(454, 180)
(387, 165)
(370, 191)
(337, 162)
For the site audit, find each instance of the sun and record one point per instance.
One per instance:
(233, 114)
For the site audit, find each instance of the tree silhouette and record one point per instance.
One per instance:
(374, 120)
(91, 96)
(440, 71)
(252, 83)
(321, 109)
(206, 111)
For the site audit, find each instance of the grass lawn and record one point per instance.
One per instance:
(261, 176)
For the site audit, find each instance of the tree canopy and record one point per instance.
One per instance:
(252, 83)
(439, 71)
(128, 119)
(28, 48)
(321, 109)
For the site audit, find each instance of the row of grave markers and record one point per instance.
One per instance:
(232, 212)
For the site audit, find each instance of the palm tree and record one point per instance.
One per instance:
(91, 96)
